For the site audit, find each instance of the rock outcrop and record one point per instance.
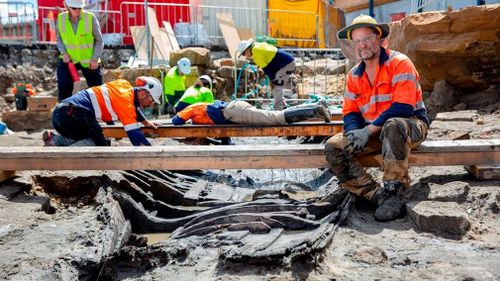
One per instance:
(461, 47)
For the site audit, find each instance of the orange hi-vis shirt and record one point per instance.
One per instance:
(197, 113)
(114, 101)
(396, 80)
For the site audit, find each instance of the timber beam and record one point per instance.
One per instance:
(219, 131)
(430, 153)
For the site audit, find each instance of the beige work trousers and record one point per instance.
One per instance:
(241, 112)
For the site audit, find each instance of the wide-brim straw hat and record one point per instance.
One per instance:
(363, 21)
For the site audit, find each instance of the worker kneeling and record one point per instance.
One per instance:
(76, 118)
(241, 112)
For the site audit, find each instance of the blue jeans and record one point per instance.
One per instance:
(77, 123)
(65, 82)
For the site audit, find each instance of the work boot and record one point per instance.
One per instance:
(48, 138)
(323, 112)
(302, 114)
(389, 200)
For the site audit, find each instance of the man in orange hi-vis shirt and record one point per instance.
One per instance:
(76, 118)
(383, 111)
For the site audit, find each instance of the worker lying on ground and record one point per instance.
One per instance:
(240, 112)
(201, 91)
(174, 83)
(277, 64)
(76, 118)
(389, 117)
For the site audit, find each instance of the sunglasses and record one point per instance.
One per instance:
(74, 8)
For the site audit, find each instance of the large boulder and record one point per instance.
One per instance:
(461, 47)
(197, 56)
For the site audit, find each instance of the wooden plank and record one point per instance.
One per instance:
(160, 41)
(183, 157)
(485, 172)
(229, 32)
(137, 33)
(153, 22)
(219, 131)
(245, 33)
(174, 45)
(5, 175)
(162, 45)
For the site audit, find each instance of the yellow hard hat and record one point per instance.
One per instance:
(363, 21)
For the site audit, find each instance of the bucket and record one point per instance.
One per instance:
(397, 16)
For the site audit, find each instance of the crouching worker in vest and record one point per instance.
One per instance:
(76, 118)
(383, 111)
(174, 83)
(79, 40)
(241, 112)
(277, 64)
(201, 91)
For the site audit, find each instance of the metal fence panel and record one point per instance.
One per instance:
(17, 22)
(109, 22)
(320, 73)
(132, 14)
(243, 17)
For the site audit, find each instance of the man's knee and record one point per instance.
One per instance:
(336, 142)
(395, 129)
(394, 136)
(334, 149)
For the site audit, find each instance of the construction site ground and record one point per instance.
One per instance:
(82, 225)
(362, 249)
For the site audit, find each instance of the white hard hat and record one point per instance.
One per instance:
(244, 45)
(184, 65)
(152, 85)
(206, 78)
(75, 3)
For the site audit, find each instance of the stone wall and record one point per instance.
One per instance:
(37, 64)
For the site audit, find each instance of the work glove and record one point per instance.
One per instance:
(358, 139)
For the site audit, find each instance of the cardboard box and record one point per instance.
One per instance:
(41, 103)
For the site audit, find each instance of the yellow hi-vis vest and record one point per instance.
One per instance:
(263, 53)
(79, 45)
